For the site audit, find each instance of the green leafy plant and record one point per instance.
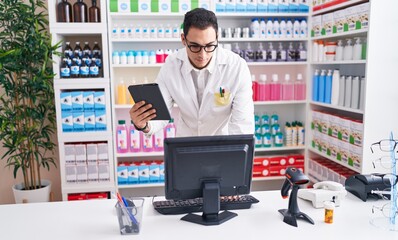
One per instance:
(27, 109)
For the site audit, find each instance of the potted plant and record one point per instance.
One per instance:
(27, 109)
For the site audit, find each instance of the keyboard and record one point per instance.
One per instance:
(171, 207)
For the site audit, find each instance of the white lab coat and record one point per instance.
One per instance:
(216, 115)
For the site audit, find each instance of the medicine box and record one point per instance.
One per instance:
(99, 100)
(78, 121)
(251, 5)
(273, 6)
(356, 132)
(161, 171)
(327, 24)
(340, 23)
(184, 6)
(92, 153)
(103, 172)
(67, 121)
(100, 121)
(122, 173)
(283, 6)
(143, 173)
(88, 100)
(70, 156)
(102, 149)
(352, 18)
(165, 6)
(262, 5)
(77, 100)
(70, 174)
(363, 15)
(316, 26)
(293, 6)
(133, 177)
(89, 121)
(144, 6)
(240, 6)
(81, 153)
(304, 6)
(230, 5)
(66, 101)
(154, 172)
(81, 173)
(92, 173)
(219, 5)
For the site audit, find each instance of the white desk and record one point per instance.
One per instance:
(97, 220)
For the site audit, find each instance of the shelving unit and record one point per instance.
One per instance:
(90, 32)
(355, 68)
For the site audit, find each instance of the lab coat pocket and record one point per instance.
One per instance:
(222, 100)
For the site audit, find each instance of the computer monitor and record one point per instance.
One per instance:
(208, 167)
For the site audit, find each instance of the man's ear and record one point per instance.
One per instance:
(183, 39)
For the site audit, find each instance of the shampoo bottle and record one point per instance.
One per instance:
(299, 88)
(322, 83)
(328, 87)
(315, 86)
(347, 53)
(357, 53)
(348, 91)
(275, 88)
(339, 51)
(335, 87)
(287, 89)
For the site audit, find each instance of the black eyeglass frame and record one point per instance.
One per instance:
(379, 143)
(201, 47)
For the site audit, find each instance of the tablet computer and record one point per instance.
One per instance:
(150, 93)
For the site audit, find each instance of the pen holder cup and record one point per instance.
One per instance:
(130, 216)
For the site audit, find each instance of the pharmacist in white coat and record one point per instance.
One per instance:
(210, 85)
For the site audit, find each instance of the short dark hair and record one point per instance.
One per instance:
(200, 18)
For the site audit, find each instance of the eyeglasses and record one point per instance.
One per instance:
(385, 145)
(386, 210)
(386, 162)
(195, 48)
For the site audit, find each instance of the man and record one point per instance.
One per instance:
(211, 86)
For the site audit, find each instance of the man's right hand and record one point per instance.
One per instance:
(141, 113)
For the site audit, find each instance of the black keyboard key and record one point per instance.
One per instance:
(170, 207)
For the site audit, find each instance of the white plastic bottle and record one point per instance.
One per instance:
(123, 31)
(146, 31)
(261, 54)
(270, 28)
(263, 29)
(271, 53)
(357, 49)
(254, 28)
(138, 57)
(341, 91)
(296, 29)
(289, 29)
(138, 31)
(161, 31)
(176, 31)
(315, 50)
(123, 57)
(115, 57)
(276, 28)
(335, 87)
(130, 57)
(303, 28)
(321, 51)
(339, 50)
(347, 52)
(168, 31)
(153, 32)
(282, 29)
(115, 31)
(348, 91)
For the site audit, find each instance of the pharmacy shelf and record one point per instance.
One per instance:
(346, 109)
(82, 82)
(84, 136)
(332, 159)
(279, 149)
(158, 65)
(263, 39)
(352, 33)
(346, 62)
(235, 15)
(265, 103)
(138, 40)
(333, 6)
(94, 187)
(139, 154)
(140, 185)
(78, 28)
(258, 179)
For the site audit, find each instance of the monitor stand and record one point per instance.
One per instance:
(211, 207)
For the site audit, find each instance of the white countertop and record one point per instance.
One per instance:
(97, 220)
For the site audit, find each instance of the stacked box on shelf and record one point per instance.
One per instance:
(140, 172)
(88, 196)
(275, 165)
(321, 169)
(155, 6)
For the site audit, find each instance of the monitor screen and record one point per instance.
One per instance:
(208, 167)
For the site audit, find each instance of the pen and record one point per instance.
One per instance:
(222, 91)
(124, 205)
